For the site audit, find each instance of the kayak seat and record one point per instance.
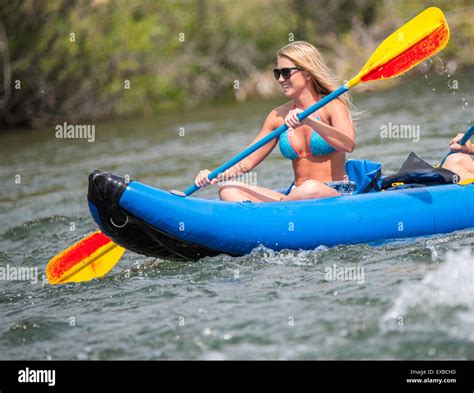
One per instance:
(366, 174)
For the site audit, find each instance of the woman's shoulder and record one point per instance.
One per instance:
(336, 105)
(277, 115)
(282, 110)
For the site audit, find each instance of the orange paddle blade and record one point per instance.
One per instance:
(421, 37)
(92, 257)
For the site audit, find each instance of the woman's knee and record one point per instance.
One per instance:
(311, 186)
(317, 189)
(230, 192)
(457, 160)
(225, 192)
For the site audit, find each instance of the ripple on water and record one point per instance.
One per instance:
(32, 330)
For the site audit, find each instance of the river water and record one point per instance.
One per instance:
(414, 299)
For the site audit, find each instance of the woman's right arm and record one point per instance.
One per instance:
(250, 162)
(457, 148)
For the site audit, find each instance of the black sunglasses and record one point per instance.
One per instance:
(285, 72)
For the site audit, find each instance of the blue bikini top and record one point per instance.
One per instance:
(317, 146)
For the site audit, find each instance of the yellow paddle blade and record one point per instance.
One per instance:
(420, 38)
(92, 257)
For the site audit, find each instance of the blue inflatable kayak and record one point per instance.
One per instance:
(157, 223)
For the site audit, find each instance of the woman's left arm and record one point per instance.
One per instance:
(340, 134)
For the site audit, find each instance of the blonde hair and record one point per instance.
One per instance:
(306, 56)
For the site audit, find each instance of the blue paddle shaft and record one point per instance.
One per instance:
(275, 133)
(464, 139)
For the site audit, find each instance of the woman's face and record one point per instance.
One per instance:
(298, 81)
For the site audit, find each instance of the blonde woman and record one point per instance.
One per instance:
(316, 146)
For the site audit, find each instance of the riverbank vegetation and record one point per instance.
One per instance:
(84, 60)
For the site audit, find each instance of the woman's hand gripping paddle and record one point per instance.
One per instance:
(468, 134)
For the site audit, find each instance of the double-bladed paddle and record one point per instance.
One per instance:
(423, 36)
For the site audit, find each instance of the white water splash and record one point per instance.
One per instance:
(442, 301)
(288, 257)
